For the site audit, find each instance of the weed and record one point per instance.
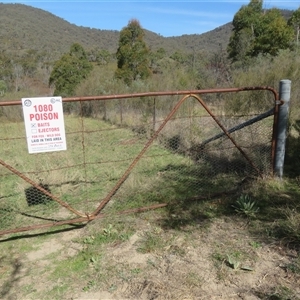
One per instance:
(282, 293)
(255, 245)
(277, 293)
(124, 236)
(29, 289)
(176, 250)
(107, 235)
(233, 261)
(112, 288)
(246, 206)
(58, 291)
(151, 263)
(89, 285)
(75, 264)
(151, 242)
(293, 267)
(94, 260)
(135, 271)
(292, 224)
(219, 261)
(193, 279)
(108, 231)
(89, 240)
(288, 228)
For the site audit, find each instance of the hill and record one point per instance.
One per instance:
(24, 27)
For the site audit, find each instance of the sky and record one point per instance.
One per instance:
(167, 18)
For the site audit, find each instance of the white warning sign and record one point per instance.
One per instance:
(44, 124)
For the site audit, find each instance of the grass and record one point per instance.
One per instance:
(91, 182)
(245, 206)
(151, 242)
(89, 262)
(92, 270)
(98, 155)
(279, 210)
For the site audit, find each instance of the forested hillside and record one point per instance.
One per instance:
(24, 27)
(33, 39)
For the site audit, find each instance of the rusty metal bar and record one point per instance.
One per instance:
(82, 142)
(150, 141)
(170, 93)
(138, 157)
(85, 219)
(277, 102)
(227, 134)
(192, 93)
(37, 186)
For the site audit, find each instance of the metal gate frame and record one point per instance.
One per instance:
(97, 213)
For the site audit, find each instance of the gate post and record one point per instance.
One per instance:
(283, 115)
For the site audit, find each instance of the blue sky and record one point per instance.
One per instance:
(167, 18)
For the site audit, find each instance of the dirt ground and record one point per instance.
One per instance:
(220, 261)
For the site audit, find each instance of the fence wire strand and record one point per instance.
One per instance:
(134, 152)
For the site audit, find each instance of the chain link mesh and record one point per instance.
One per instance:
(190, 157)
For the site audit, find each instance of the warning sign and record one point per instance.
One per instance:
(44, 124)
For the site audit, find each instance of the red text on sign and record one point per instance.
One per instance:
(44, 116)
(42, 108)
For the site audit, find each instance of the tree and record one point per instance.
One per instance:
(294, 21)
(180, 57)
(103, 57)
(273, 34)
(248, 16)
(99, 56)
(29, 62)
(70, 70)
(245, 24)
(155, 58)
(256, 31)
(6, 69)
(132, 54)
(219, 66)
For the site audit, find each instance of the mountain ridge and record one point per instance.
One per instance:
(24, 27)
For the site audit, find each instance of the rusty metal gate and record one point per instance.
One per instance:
(134, 152)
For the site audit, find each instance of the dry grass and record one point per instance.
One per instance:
(195, 248)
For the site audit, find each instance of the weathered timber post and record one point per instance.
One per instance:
(283, 117)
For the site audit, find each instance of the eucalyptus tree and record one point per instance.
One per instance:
(294, 21)
(70, 70)
(273, 34)
(132, 54)
(245, 24)
(257, 31)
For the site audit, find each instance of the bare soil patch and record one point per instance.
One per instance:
(220, 260)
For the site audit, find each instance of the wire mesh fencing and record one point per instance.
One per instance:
(131, 152)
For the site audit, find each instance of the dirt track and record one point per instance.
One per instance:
(194, 265)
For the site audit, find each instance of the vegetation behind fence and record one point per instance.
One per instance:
(172, 154)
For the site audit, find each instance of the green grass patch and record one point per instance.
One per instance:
(99, 154)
